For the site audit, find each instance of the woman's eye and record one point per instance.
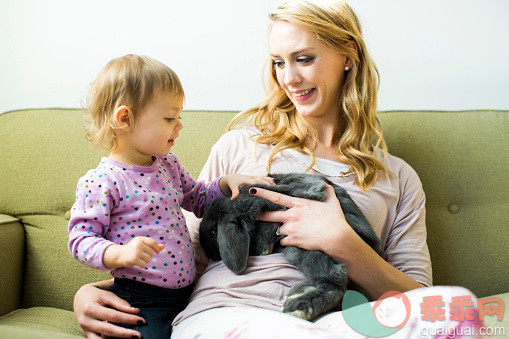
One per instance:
(278, 64)
(305, 60)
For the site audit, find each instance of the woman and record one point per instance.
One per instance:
(319, 117)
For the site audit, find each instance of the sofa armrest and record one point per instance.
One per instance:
(12, 243)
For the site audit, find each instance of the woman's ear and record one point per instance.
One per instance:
(122, 116)
(353, 45)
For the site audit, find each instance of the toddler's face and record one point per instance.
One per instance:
(157, 127)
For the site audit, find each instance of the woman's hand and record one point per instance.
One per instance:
(96, 310)
(315, 225)
(232, 183)
(309, 224)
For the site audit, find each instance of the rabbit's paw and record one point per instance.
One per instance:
(301, 300)
(310, 300)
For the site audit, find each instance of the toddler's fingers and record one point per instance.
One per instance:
(269, 180)
(145, 257)
(152, 244)
(261, 180)
(235, 193)
(142, 262)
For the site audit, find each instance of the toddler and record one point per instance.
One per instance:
(127, 215)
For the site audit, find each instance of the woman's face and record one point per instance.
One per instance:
(308, 70)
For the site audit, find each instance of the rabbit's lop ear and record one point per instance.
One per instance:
(233, 241)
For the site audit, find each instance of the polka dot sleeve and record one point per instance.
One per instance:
(96, 196)
(197, 194)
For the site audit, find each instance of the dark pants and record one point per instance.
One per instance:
(158, 306)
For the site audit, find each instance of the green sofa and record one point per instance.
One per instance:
(461, 158)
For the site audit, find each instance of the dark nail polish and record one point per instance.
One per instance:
(252, 190)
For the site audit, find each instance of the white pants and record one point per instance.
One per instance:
(251, 322)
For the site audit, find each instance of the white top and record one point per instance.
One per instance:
(323, 166)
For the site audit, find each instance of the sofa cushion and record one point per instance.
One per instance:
(52, 276)
(40, 322)
(12, 243)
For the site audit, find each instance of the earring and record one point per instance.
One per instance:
(346, 68)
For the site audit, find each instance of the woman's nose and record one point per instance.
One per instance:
(292, 75)
(179, 125)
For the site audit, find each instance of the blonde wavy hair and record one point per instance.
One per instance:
(358, 136)
(132, 81)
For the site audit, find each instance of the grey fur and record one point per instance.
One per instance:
(231, 232)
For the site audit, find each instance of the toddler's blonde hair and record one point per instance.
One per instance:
(132, 81)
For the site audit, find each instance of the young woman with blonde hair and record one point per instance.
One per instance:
(319, 117)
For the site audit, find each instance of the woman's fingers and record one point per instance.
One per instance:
(111, 300)
(111, 330)
(277, 198)
(308, 224)
(97, 310)
(97, 319)
(246, 180)
(91, 335)
(273, 216)
(115, 315)
(111, 311)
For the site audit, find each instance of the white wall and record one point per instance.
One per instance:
(433, 54)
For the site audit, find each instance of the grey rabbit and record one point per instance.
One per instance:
(231, 232)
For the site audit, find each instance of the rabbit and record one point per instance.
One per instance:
(230, 231)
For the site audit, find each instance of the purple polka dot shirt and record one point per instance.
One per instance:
(117, 202)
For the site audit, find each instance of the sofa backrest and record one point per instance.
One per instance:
(462, 160)
(460, 157)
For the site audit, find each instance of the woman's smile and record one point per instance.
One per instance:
(304, 95)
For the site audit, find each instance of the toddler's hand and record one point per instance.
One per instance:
(138, 252)
(232, 183)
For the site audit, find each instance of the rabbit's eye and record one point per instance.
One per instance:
(213, 231)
